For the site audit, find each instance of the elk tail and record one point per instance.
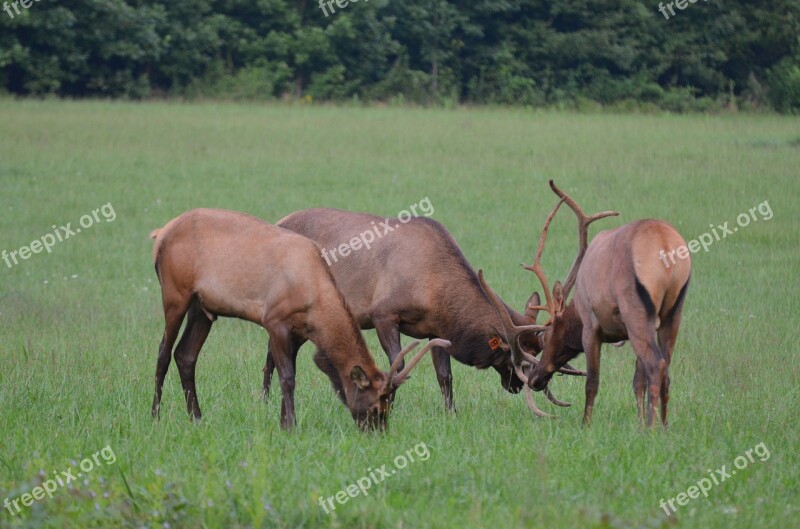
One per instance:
(645, 298)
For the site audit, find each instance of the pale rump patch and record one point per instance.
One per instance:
(662, 284)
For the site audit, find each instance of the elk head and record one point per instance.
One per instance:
(560, 327)
(369, 400)
(562, 338)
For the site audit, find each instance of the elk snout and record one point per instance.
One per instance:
(538, 381)
(371, 419)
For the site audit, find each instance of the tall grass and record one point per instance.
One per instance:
(80, 326)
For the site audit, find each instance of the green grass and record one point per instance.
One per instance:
(80, 327)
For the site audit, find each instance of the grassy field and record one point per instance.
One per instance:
(80, 326)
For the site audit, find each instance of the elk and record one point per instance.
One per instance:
(214, 263)
(622, 292)
(416, 281)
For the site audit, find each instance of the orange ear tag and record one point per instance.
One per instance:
(494, 343)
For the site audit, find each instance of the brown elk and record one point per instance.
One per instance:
(416, 281)
(223, 263)
(622, 292)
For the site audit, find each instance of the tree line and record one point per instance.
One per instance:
(679, 55)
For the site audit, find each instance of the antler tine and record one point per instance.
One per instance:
(583, 233)
(529, 396)
(401, 376)
(399, 358)
(526, 357)
(511, 331)
(537, 269)
(552, 398)
(569, 370)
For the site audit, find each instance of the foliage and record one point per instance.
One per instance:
(516, 52)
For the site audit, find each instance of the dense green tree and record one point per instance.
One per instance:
(533, 52)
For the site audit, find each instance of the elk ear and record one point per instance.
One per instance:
(359, 377)
(533, 301)
(558, 297)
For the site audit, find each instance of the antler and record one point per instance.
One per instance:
(511, 331)
(400, 377)
(518, 355)
(536, 267)
(399, 358)
(583, 234)
(529, 396)
(554, 400)
(569, 370)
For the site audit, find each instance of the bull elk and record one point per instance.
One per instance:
(622, 292)
(417, 282)
(223, 263)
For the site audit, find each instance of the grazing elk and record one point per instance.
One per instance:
(622, 292)
(416, 281)
(223, 263)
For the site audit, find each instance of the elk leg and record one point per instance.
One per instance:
(667, 335)
(441, 362)
(173, 315)
(194, 336)
(269, 369)
(591, 346)
(665, 396)
(281, 342)
(653, 365)
(389, 336)
(639, 383)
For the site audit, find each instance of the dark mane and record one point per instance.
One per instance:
(350, 318)
(471, 339)
(453, 249)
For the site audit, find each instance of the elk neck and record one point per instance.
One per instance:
(573, 332)
(470, 323)
(332, 328)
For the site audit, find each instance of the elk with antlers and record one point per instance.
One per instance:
(623, 292)
(223, 263)
(417, 282)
